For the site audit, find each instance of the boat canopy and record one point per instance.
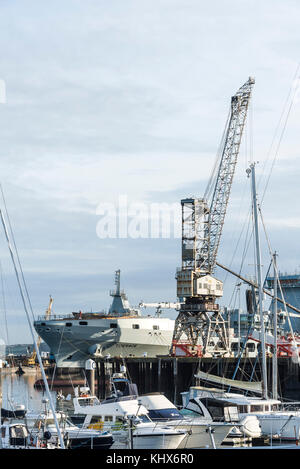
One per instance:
(246, 385)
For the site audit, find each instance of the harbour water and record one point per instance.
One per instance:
(20, 390)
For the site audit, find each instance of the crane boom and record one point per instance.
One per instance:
(222, 188)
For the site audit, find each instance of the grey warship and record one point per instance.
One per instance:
(122, 332)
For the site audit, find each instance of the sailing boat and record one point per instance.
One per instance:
(24, 295)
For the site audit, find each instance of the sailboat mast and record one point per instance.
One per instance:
(274, 360)
(62, 444)
(259, 282)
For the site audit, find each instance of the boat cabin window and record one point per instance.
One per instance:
(83, 323)
(256, 408)
(83, 402)
(43, 324)
(108, 418)
(250, 347)
(231, 414)
(243, 409)
(113, 325)
(18, 435)
(135, 326)
(216, 412)
(96, 419)
(155, 328)
(3, 430)
(68, 324)
(234, 346)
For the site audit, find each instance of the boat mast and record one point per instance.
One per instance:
(32, 333)
(274, 361)
(259, 281)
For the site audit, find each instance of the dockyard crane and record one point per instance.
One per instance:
(159, 306)
(202, 222)
(31, 360)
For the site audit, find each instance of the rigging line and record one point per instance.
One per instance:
(61, 336)
(237, 244)
(239, 210)
(30, 327)
(279, 123)
(280, 287)
(16, 251)
(242, 349)
(246, 246)
(210, 184)
(296, 88)
(4, 304)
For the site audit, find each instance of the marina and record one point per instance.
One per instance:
(114, 175)
(123, 380)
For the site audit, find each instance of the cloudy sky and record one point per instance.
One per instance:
(130, 97)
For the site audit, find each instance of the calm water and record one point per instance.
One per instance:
(20, 390)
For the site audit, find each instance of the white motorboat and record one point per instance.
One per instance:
(74, 437)
(202, 432)
(15, 435)
(129, 423)
(281, 423)
(247, 420)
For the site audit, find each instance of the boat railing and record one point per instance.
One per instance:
(291, 406)
(44, 317)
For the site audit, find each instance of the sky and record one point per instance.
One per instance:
(130, 97)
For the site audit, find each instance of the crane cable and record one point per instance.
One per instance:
(292, 94)
(213, 175)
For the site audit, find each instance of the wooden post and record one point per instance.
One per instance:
(159, 374)
(175, 363)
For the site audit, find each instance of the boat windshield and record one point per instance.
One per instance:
(18, 431)
(165, 414)
(141, 418)
(87, 401)
(190, 413)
